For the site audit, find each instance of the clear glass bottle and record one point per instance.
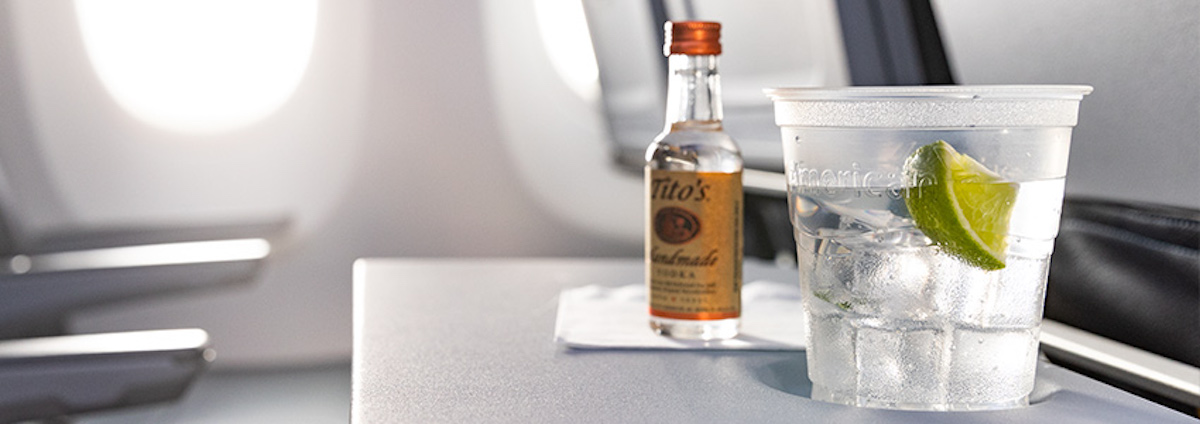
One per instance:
(694, 197)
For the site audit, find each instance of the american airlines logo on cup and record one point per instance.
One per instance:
(860, 182)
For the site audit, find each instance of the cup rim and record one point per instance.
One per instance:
(931, 92)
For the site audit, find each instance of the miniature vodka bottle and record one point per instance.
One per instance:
(694, 198)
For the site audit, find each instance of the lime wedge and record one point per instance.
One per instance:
(959, 204)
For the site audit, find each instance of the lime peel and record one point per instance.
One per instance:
(958, 203)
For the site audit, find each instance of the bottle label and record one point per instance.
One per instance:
(694, 244)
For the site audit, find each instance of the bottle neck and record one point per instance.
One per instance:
(693, 92)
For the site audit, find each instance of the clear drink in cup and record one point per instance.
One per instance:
(924, 220)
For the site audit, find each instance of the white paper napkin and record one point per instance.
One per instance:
(595, 317)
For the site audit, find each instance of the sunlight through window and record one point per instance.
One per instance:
(565, 37)
(199, 65)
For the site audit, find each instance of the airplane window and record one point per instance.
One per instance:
(565, 38)
(199, 65)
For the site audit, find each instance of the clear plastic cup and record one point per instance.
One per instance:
(901, 318)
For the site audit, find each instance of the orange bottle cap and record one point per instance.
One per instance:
(692, 38)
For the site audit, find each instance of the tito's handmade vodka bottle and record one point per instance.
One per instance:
(694, 197)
